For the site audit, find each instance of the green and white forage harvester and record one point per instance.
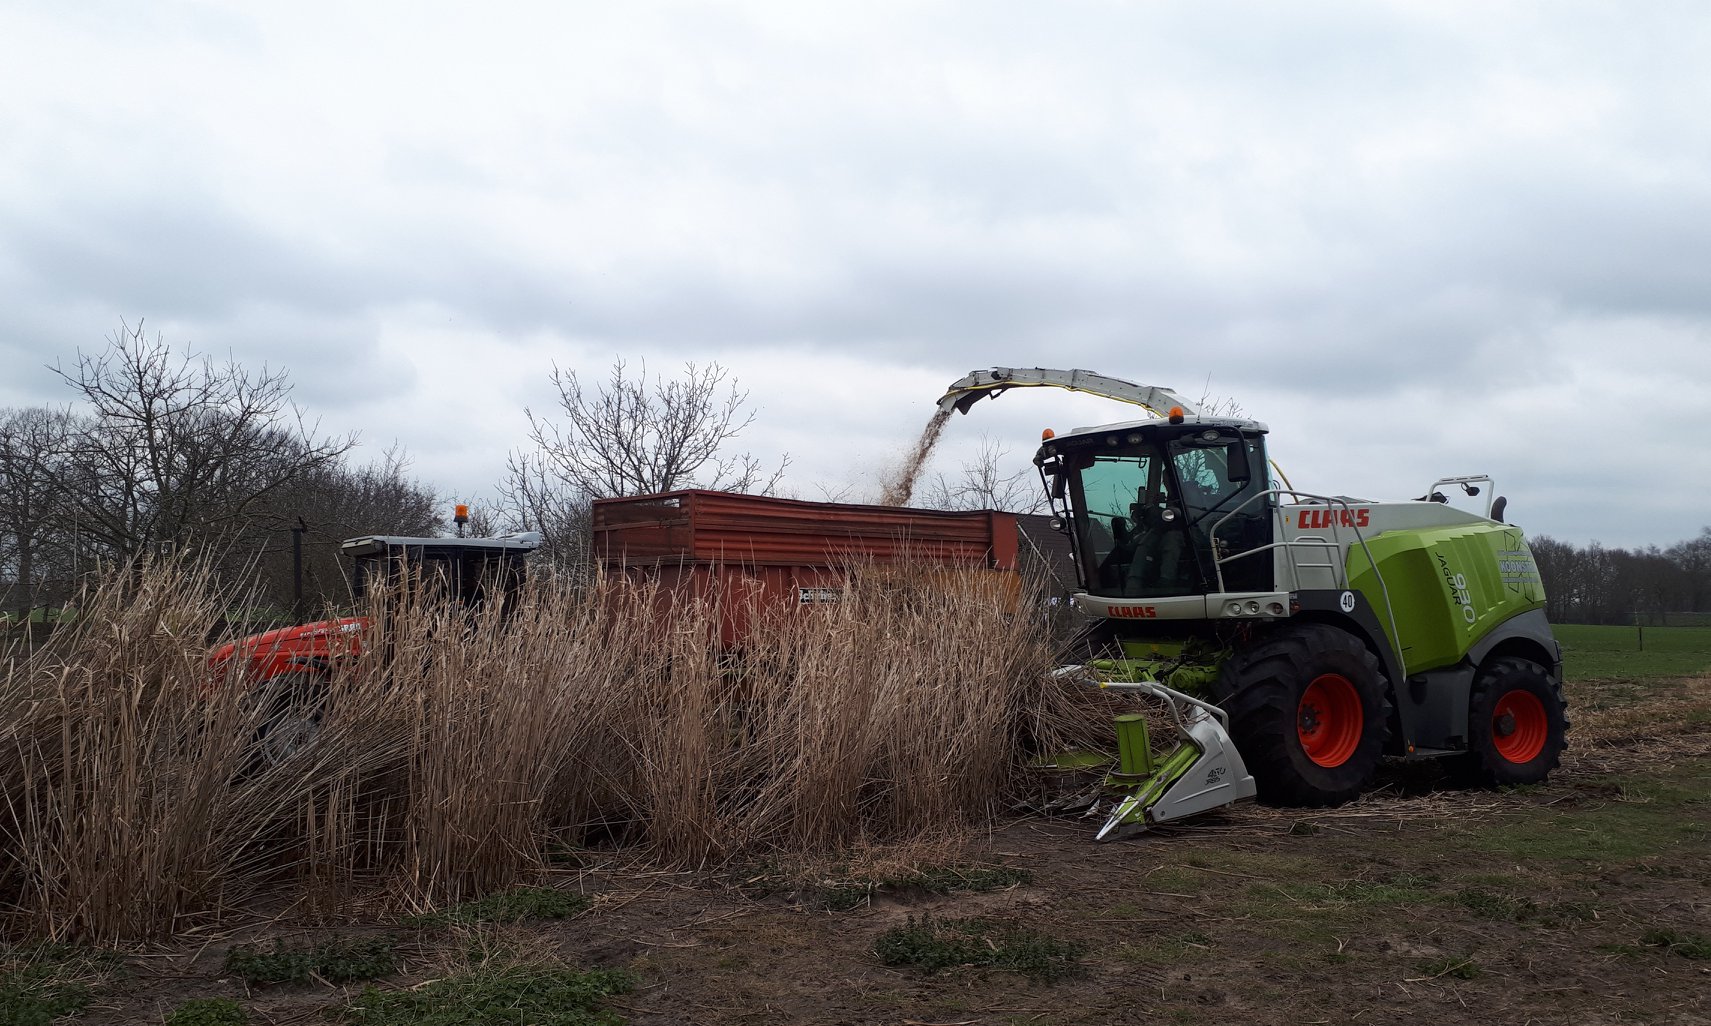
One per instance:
(1295, 639)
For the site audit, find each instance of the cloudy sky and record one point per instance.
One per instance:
(1417, 239)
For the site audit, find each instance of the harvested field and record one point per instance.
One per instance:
(1585, 900)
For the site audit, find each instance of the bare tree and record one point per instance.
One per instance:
(1693, 557)
(32, 441)
(630, 437)
(1217, 406)
(982, 483)
(533, 497)
(177, 447)
(1594, 584)
(333, 503)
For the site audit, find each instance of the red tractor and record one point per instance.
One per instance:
(290, 665)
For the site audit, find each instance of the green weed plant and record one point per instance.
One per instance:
(336, 961)
(517, 905)
(498, 996)
(208, 1012)
(935, 945)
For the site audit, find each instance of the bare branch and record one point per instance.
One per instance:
(982, 483)
(175, 445)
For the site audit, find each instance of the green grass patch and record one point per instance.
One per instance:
(11, 618)
(1194, 872)
(853, 892)
(934, 945)
(1270, 865)
(1345, 893)
(516, 905)
(498, 996)
(41, 982)
(1168, 949)
(208, 1012)
(1687, 945)
(1177, 880)
(1464, 968)
(841, 888)
(1314, 911)
(336, 961)
(1647, 818)
(1594, 652)
(1305, 913)
(1514, 909)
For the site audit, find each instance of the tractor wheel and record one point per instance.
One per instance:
(1517, 724)
(294, 703)
(1309, 713)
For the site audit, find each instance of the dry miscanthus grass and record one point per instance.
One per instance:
(457, 749)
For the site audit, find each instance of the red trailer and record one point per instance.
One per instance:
(761, 552)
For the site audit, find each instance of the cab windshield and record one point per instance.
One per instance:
(1144, 514)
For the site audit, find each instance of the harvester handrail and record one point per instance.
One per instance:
(1465, 480)
(1332, 545)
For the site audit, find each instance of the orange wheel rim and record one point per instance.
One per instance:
(1329, 720)
(1519, 726)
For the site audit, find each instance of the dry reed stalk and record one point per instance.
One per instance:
(478, 718)
(882, 715)
(680, 738)
(117, 760)
(612, 664)
(457, 747)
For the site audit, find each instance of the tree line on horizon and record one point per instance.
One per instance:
(1651, 585)
(161, 452)
(165, 451)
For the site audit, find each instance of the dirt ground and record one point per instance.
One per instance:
(1585, 900)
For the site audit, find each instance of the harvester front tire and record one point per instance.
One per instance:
(1517, 724)
(1309, 712)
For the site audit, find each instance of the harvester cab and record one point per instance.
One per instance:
(1295, 639)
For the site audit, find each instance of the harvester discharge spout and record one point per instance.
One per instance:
(983, 384)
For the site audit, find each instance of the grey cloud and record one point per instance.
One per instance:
(1309, 201)
(169, 250)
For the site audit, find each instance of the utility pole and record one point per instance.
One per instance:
(297, 569)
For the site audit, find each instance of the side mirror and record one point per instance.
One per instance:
(1059, 486)
(1236, 462)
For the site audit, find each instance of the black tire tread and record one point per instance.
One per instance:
(1481, 767)
(1260, 689)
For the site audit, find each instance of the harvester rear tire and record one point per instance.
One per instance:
(1309, 712)
(1517, 724)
